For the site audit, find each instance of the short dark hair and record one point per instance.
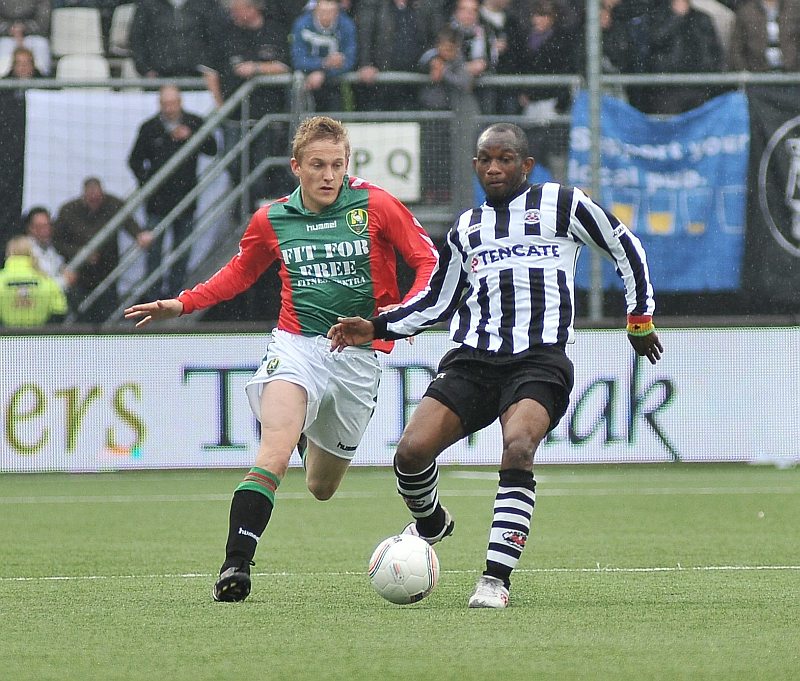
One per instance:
(449, 34)
(520, 138)
(544, 8)
(32, 213)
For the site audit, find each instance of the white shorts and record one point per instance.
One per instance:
(342, 387)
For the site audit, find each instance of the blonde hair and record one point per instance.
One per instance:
(19, 245)
(319, 128)
(22, 245)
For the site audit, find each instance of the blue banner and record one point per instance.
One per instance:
(677, 183)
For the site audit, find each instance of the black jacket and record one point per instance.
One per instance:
(154, 146)
(170, 41)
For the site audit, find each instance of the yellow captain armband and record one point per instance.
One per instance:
(640, 325)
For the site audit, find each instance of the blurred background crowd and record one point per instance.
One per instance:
(454, 40)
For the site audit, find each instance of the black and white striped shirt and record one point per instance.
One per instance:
(506, 273)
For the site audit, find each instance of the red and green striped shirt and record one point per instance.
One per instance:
(340, 262)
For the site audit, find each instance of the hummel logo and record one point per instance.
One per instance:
(248, 533)
(321, 225)
(347, 448)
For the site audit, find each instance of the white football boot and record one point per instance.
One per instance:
(490, 592)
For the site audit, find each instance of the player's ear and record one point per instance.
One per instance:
(527, 165)
(294, 164)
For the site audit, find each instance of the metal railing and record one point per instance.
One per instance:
(143, 193)
(465, 121)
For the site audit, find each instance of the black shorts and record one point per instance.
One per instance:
(479, 386)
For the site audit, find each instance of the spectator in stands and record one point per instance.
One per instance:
(549, 49)
(249, 43)
(766, 36)
(159, 138)
(447, 69)
(572, 15)
(449, 76)
(23, 65)
(616, 55)
(170, 38)
(12, 144)
(504, 38)
(474, 43)
(39, 227)
(28, 297)
(392, 36)
(634, 17)
(324, 46)
(26, 23)
(284, 12)
(722, 18)
(682, 40)
(77, 222)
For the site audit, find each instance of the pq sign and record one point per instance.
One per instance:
(387, 154)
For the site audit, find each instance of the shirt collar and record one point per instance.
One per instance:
(295, 202)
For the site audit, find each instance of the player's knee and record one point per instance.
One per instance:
(409, 457)
(321, 489)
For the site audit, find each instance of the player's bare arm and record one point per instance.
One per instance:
(151, 312)
(647, 346)
(350, 331)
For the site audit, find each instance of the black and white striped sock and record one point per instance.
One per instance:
(513, 509)
(421, 496)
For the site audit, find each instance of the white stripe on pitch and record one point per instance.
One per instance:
(598, 569)
(390, 493)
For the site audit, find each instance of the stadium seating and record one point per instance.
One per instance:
(118, 45)
(75, 30)
(83, 67)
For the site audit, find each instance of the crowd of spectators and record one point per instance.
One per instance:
(326, 38)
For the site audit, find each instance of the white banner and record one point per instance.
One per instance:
(86, 403)
(74, 134)
(387, 154)
(78, 133)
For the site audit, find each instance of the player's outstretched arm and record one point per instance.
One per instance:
(350, 331)
(647, 346)
(158, 309)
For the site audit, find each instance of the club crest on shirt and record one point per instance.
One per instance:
(357, 220)
(531, 216)
(273, 364)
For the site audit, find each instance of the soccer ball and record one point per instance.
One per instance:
(403, 569)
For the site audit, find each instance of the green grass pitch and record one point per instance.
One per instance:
(631, 572)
